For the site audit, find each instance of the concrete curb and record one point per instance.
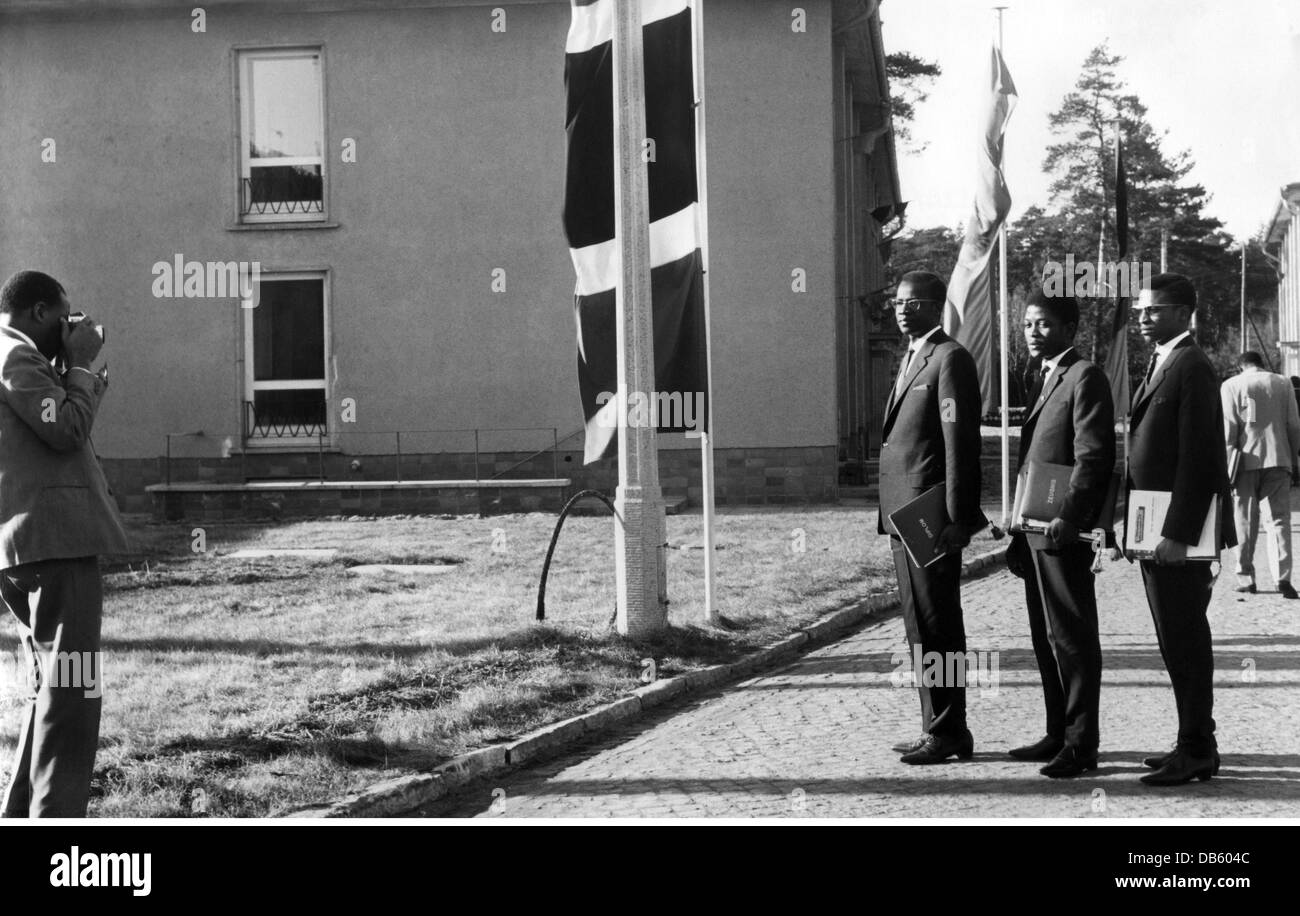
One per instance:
(406, 793)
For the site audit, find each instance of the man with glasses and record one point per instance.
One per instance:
(932, 436)
(1175, 426)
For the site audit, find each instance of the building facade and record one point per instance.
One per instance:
(1284, 239)
(324, 237)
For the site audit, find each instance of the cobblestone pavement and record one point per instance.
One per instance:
(813, 738)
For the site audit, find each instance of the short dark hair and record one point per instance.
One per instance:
(28, 287)
(1064, 309)
(1176, 288)
(1252, 358)
(928, 284)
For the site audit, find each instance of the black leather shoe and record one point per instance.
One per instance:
(1045, 748)
(1070, 763)
(1246, 589)
(938, 748)
(906, 747)
(1182, 768)
(1161, 760)
(1287, 590)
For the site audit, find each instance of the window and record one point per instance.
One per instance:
(286, 350)
(281, 135)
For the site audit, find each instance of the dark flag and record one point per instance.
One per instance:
(1117, 355)
(676, 276)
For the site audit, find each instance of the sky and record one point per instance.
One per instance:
(1222, 79)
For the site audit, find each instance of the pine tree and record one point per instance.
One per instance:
(909, 80)
(1160, 197)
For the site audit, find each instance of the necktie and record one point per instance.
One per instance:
(902, 372)
(1037, 391)
(1151, 367)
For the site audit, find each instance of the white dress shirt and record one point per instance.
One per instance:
(911, 354)
(1163, 350)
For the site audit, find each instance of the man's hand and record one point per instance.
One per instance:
(1118, 550)
(1061, 533)
(81, 342)
(951, 540)
(1171, 553)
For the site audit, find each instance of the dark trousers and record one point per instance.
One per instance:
(58, 604)
(931, 599)
(1062, 604)
(1179, 598)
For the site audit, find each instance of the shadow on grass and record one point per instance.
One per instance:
(677, 649)
(546, 673)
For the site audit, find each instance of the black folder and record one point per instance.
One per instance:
(919, 522)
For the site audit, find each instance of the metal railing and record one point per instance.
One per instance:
(553, 448)
(280, 195)
(267, 426)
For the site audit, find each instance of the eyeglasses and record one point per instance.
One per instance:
(907, 306)
(1153, 310)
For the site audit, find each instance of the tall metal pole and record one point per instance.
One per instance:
(1004, 370)
(639, 538)
(707, 490)
(1164, 249)
(1243, 297)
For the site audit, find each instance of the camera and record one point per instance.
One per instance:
(77, 317)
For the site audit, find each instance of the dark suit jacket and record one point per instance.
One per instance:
(1073, 422)
(54, 501)
(1176, 443)
(932, 434)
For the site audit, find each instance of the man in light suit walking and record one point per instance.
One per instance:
(1262, 429)
(56, 518)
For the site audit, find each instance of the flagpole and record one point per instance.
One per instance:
(639, 530)
(1004, 370)
(702, 234)
(1164, 255)
(1244, 339)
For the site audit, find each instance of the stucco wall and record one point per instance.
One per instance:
(460, 146)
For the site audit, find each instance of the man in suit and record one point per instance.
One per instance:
(1070, 422)
(56, 517)
(1175, 417)
(1262, 428)
(932, 436)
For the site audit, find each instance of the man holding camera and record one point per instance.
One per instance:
(56, 518)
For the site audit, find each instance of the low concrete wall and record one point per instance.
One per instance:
(744, 476)
(231, 502)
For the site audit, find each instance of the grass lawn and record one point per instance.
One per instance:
(250, 687)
